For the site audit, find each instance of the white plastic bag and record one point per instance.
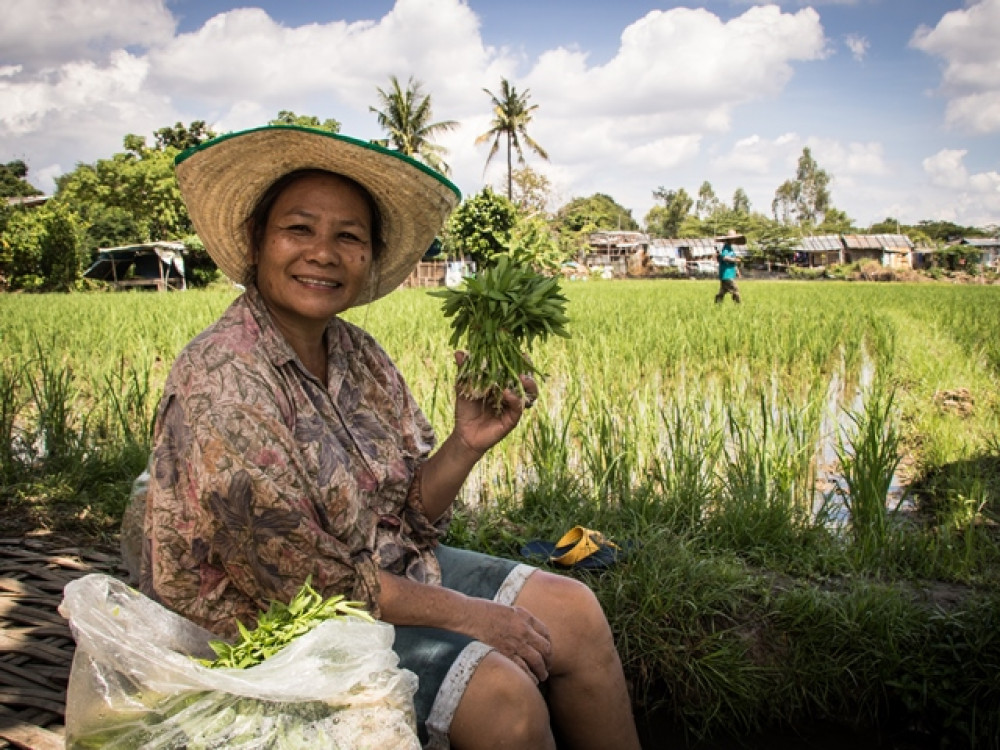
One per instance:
(134, 683)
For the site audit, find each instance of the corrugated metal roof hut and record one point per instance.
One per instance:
(614, 248)
(825, 250)
(158, 265)
(988, 247)
(890, 250)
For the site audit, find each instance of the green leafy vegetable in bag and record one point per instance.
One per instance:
(279, 626)
(500, 313)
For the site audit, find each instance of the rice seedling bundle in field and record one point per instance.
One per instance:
(499, 314)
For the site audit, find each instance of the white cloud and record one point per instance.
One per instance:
(78, 95)
(42, 34)
(858, 45)
(966, 40)
(689, 58)
(964, 197)
(338, 64)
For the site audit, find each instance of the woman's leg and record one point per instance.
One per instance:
(501, 708)
(587, 697)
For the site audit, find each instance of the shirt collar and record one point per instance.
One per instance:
(274, 345)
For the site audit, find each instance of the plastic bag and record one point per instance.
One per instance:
(134, 683)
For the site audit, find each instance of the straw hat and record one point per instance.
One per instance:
(222, 180)
(732, 237)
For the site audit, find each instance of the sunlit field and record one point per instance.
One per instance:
(805, 478)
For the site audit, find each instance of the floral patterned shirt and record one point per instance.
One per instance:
(261, 475)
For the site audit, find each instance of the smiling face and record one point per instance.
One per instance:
(315, 252)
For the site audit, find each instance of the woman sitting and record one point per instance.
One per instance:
(288, 445)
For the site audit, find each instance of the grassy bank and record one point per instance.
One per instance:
(748, 451)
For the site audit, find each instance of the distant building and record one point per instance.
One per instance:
(890, 250)
(28, 201)
(825, 250)
(988, 247)
(613, 249)
(154, 265)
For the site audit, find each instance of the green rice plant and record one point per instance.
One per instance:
(868, 457)
(60, 427)
(627, 437)
(685, 468)
(766, 481)
(548, 451)
(11, 403)
(609, 451)
(127, 394)
(499, 314)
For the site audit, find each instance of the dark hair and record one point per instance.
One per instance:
(256, 223)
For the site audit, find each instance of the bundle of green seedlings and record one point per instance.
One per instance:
(499, 314)
(279, 626)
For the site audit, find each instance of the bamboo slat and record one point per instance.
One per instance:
(36, 646)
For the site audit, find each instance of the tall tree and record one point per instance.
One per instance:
(708, 202)
(406, 118)
(741, 201)
(814, 197)
(13, 182)
(511, 116)
(666, 220)
(806, 199)
(182, 137)
(786, 198)
(481, 226)
(138, 183)
(599, 211)
(287, 117)
(531, 191)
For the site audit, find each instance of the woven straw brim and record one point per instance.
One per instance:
(222, 181)
(733, 239)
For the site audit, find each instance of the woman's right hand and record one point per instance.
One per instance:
(514, 632)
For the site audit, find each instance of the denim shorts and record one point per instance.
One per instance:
(444, 661)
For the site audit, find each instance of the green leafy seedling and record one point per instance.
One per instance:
(499, 315)
(279, 626)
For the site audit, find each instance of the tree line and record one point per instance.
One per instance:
(132, 197)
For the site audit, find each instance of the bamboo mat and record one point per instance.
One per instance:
(36, 647)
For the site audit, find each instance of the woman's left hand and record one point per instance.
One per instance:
(479, 426)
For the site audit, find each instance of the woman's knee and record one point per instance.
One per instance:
(567, 606)
(502, 708)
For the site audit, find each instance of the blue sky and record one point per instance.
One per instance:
(898, 100)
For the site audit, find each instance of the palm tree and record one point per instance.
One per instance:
(406, 117)
(511, 115)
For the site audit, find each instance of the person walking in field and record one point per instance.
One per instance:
(729, 266)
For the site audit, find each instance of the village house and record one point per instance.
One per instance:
(153, 265)
(818, 252)
(613, 249)
(890, 250)
(989, 250)
(27, 201)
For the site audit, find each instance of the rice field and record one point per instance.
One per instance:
(791, 470)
